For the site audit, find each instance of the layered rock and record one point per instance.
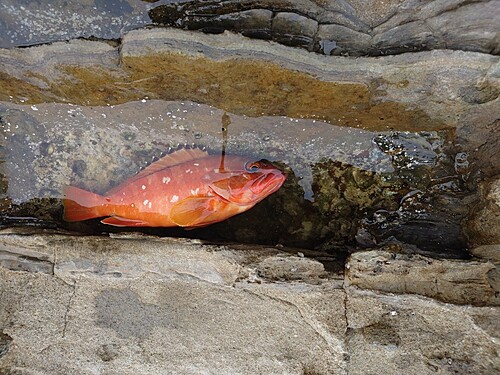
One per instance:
(136, 304)
(428, 191)
(346, 28)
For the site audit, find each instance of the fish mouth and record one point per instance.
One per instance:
(268, 183)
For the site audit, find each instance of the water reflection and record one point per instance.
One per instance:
(338, 175)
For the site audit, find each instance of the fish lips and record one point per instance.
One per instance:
(253, 191)
(268, 183)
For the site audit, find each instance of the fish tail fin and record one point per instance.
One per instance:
(81, 204)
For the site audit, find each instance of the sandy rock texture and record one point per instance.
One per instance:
(132, 304)
(485, 220)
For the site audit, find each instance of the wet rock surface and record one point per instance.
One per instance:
(350, 27)
(25, 23)
(353, 152)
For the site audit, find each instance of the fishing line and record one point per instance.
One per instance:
(226, 121)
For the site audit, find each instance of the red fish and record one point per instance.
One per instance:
(188, 188)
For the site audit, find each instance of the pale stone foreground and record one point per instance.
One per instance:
(135, 305)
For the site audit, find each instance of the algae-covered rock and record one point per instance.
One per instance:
(369, 146)
(483, 227)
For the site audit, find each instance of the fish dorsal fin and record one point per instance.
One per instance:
(177, 157)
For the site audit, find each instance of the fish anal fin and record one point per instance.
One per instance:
(195, 211)
(177, 157)
(118, 221)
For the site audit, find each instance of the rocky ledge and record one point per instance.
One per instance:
(351, 28)
(132, 304)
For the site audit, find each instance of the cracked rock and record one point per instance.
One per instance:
(293, 29)
(291, 268)
(460, 282)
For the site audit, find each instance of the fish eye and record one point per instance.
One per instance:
(252, 166)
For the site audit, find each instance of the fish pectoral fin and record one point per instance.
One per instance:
(195, 211)
(118, 221)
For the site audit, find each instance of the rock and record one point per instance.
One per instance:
(253, 23)
(441, 26)
(395, 27)
(457, 282)
(140, 304)
(483, 227)
(490, 252)
(110, 297)
(293, 30)
(29, 23)
(347, 41)
(407, 334)
(291, 268)
(412, 36)
(362, 28)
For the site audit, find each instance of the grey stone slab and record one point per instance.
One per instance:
(27, 23)
(163, 310)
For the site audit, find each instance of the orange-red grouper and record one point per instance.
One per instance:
(188, 188)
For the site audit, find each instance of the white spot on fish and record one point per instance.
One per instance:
(188, 171)
(149, 204)
(132, 205)
(143, 187)
(166, 180)
(146, 202)
(34, 108)
(216, 170)
(195, 192)
(174, 199)
(196, 164)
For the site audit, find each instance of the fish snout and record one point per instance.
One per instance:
(268, 183)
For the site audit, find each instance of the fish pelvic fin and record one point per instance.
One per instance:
(118, 221)
(81, 204)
